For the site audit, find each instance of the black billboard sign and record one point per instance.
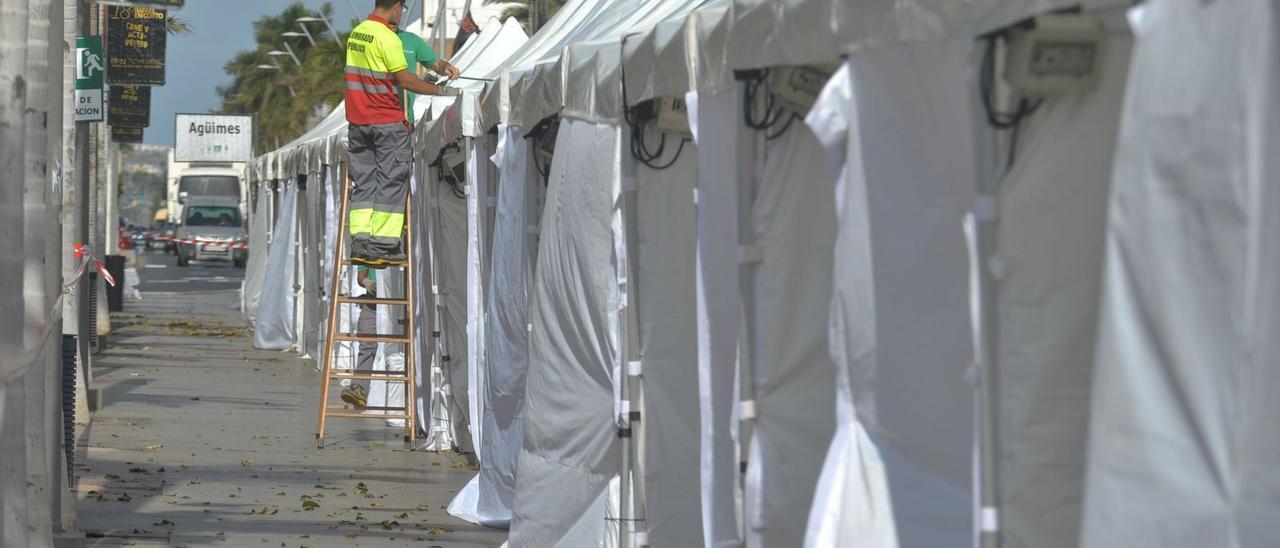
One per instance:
(122, 134)
(147, 3)
(135, 46)
(130, 106)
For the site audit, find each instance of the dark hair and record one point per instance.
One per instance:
(387, 4)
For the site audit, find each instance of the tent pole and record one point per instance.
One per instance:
(986, 227)
(748, 150)
(625, 428)
(632, 376)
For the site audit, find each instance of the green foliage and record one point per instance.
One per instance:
(318, 83)
(177, 25)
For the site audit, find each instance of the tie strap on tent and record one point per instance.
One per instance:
(747, 410)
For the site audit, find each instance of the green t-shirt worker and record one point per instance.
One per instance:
(417, 52)
(381, 159)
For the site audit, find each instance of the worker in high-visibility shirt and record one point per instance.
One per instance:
(381, 159)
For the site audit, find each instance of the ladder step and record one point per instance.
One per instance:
(343, 299)
(359, 377)
(364, 416)
(348, 409)
(372, 338)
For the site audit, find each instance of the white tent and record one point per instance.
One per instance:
(1182, 436)
(838, 287)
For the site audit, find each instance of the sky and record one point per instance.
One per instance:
(223, 28)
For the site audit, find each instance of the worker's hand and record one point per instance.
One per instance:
(370, 285)
(451, 71)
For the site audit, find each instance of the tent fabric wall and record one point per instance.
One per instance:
(1182, 441)
(256, 265)
(311, 236)
(488, 500)
(794, 225)
(1052, 219)
(570, 450)
(450, 248)
(851, 506)
(664, 259)
(714, 119)
(906, 370)
(425, 365)
(274, 329)
(480, 201)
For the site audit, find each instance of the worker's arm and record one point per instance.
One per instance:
(412, 83)
(443, 67)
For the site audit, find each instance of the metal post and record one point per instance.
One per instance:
(292, 55)
(83, 131)
(336, 37)
(438, 32)
(986, 227)
(111, 243)
(307, 32)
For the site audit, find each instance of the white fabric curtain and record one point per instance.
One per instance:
(714, 122)
(570, 451)
(256, 266)
(789, 290)
(663, 259)
(449, 241)
(390, 356)
(480, 201)
(424, 318)
(1183, 436)
(910, 181)
(488, 499)
(274, 329)
(1052, 218)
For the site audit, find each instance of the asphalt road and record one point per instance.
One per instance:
(159, 272)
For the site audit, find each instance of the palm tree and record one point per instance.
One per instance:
(177, 25)
(282, 116)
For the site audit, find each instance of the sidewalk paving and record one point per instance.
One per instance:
(204, 441)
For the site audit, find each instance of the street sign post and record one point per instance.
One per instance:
(89, 79)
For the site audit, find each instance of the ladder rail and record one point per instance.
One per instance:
(335, 287)
(410, 402)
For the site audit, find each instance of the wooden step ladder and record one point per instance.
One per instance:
(334, 337)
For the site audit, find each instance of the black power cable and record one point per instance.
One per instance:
(1001, 121)
(636, 117)
(776, 118)
(456, 187)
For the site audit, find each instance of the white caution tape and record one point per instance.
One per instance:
(207, 243)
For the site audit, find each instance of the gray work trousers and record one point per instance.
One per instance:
(380, 167)
(366, 324)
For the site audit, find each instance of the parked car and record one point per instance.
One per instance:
(140, 238)
(211, 230)
(124, 238)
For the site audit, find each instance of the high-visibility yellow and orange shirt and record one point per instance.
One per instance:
(374, 54)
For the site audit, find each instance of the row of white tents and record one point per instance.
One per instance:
(899, 316)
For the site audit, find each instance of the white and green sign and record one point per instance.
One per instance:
(89, 79)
